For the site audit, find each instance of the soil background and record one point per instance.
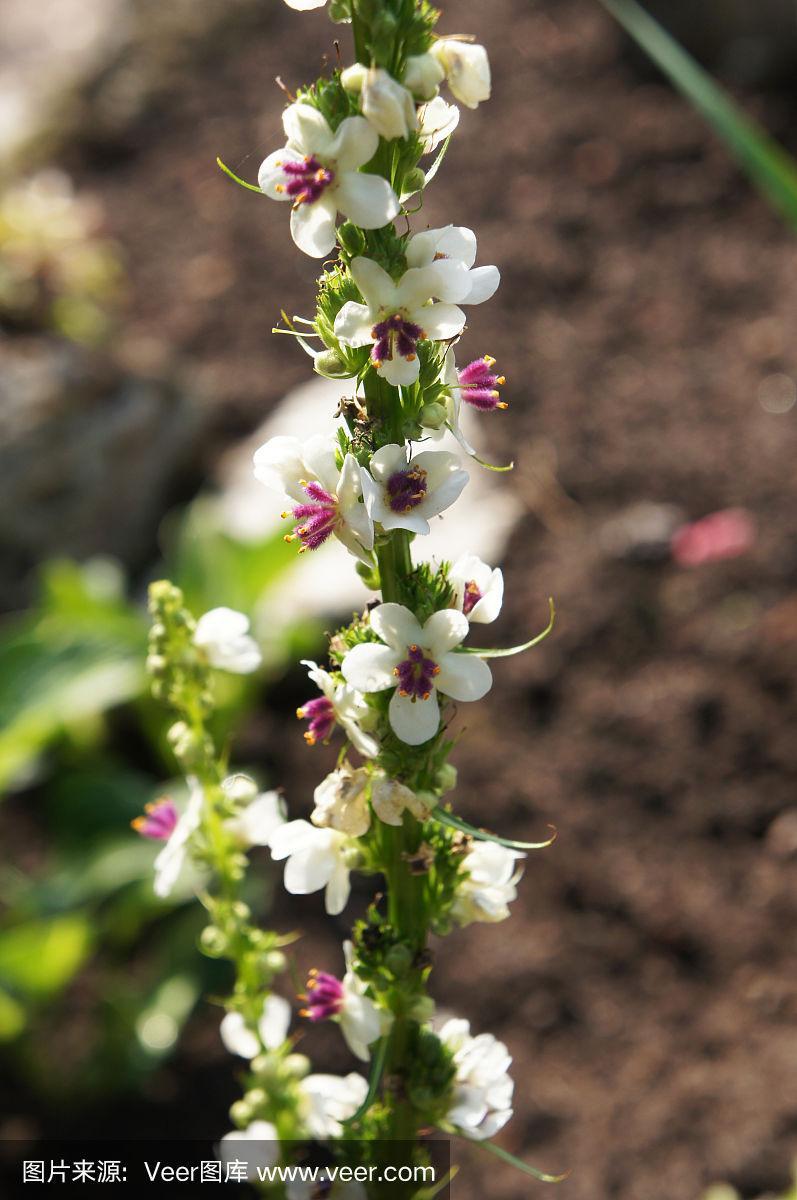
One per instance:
(646, 983)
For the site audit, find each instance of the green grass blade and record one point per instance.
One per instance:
(769, 166)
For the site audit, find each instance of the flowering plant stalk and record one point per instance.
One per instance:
(389, 313)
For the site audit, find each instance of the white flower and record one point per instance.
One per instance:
(259, 815)
(437, 120)
(403, 492)
(481, 1101)
(333, 1189)
(479, 589)
(452, 249)
(305, 5)
(272, 1029)
(417, 662)
(328, 501)
(170, 861)
(422, 75)
(338, 704)
(486, 891)
(319, 172)
(390, 799)
(262, 1156)
(345, 1001)
(395, 317)
(467, 69)
(317, 858)
(326, 1100)
(387, 106)
(341, 801)
(223, 634)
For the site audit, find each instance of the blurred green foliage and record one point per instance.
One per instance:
(97, 976)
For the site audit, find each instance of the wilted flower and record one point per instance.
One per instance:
(319, 172)
(467, 69)
(437, 120)
(223, 635)
(422, 75)
(390, 799)
(341, 801)
(418, 662)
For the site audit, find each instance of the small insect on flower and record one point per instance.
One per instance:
(418, 662)
(318, 171)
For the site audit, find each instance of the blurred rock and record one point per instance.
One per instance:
(89, 455)
(641, 533)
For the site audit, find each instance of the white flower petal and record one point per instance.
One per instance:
(484, 283)
(387, 460)
(367, 200)
(306, 129)
(338, 890)
(444, 630)
(237, 1037)
(400, 372)
(355, 143)
(313, 227)
(378, 289)
(271, 177)
(275, 1022)
(256, 823)
(353, 324)
(278, 464)
(396, 626)
(440, 322)
(464, 676)
(414, 721)
(369, 667)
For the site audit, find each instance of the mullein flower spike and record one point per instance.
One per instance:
(390, 309)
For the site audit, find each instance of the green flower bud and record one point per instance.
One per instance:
(255, 1098)
(213, 942)
(296, 1065)
(330, 364)
(447, 777)
(433, 416)
(241, 1114)
(398, 960)
(351, 238)
(275, 962)
(414, 181)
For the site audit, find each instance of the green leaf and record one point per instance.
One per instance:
(40, 957)
(510, 650)
(250, 187)
(377, 1067)
(446, 817)
(506, 1157)
(769, 166)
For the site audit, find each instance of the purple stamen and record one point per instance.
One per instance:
(306, 180)
(479, 385)
(472, 597)
(416, 674)
(406, 489)
(395, 334)
(320, 712)
(324, 996)
(158, 821)
(316, 520)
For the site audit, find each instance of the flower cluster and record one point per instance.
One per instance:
(390, 309)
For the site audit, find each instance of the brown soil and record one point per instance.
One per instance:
(646, 983)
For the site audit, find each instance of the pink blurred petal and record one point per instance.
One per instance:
(724, 534)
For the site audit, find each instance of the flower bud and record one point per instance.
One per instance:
(433, 416)
(255, 1097)
(275, 962)
(213, 942)
(447, 777)
(329, 364)
(296, 1065)
(414, 181)
(351, 238)
(422, 75)
(467, 70)
(240, 1113)
(387, 106)
(354, 77)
